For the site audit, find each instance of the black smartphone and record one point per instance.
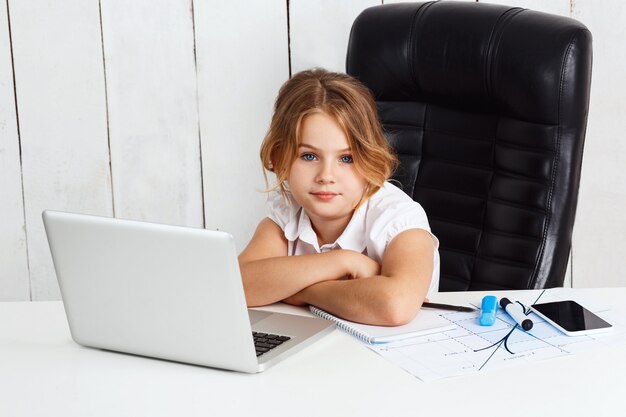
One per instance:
(571, 318)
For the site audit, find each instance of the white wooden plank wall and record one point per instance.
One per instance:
(14, 283)
(153, 113)
(242, 54)
(60, 93)
(320, 31)
(118, 116)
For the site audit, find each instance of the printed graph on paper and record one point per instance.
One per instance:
(472, 348)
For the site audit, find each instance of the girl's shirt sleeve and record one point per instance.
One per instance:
(390, 213)
(281, 211)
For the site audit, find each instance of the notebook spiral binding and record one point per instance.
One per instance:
(341, 324)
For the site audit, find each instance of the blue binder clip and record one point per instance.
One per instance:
(489, 309)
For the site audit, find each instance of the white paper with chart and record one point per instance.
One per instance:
(472, 348)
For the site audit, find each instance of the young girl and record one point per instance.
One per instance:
(338, 235)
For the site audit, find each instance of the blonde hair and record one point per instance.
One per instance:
(345, 99)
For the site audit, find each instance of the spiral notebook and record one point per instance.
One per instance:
(425, 322)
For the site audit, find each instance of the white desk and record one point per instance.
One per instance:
(43, 372)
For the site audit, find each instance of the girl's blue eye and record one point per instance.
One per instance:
(346, 159)
(308, 157)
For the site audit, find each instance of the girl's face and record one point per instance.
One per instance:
(323, 178)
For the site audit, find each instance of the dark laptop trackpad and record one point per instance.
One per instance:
(256, 315)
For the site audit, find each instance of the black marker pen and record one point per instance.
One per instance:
(516, 311)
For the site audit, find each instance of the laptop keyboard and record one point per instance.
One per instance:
(264, 342)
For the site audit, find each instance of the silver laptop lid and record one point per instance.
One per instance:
(153, 290)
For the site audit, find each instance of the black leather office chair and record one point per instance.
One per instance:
(486, 106)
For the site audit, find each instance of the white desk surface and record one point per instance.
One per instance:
(44, 373)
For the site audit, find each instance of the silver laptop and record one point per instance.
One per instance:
(167, 292)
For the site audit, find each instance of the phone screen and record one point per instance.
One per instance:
(571, 316)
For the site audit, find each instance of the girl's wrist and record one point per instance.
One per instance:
(347, 261)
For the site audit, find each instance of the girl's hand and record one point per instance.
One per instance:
(361, 266)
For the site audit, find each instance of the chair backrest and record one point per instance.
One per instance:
(486, 106)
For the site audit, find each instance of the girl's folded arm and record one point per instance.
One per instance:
(269, 275)
(390, 299)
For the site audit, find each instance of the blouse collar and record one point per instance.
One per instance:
(352, 238)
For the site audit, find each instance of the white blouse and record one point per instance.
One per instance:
(373, 225)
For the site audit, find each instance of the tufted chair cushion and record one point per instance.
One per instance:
(486, 106)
